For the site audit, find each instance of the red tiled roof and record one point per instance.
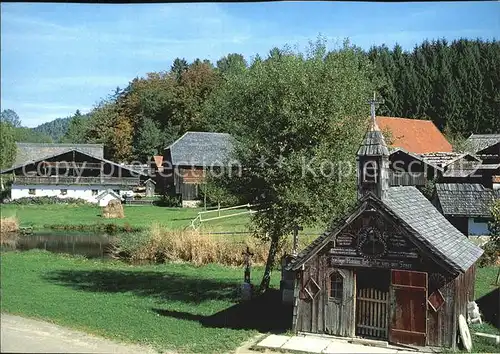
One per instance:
(414, 135)
(158, 160)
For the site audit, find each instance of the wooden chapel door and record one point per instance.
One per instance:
(339, 302)
(408, 307)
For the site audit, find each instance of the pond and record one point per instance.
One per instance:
(90, 245)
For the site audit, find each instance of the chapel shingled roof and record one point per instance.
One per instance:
(414, 135)
(415, 213)
(465, 199)
(201, 149)
(432, 228)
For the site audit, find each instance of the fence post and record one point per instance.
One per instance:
(218, 209)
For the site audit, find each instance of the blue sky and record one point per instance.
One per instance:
(56, 58)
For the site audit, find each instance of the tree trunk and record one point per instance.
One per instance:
(273, 249)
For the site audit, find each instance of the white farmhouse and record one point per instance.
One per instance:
(69, 171)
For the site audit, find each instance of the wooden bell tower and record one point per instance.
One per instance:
(373, 159)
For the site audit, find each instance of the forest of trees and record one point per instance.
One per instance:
(456, 85)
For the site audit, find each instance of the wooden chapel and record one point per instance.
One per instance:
(393, 269)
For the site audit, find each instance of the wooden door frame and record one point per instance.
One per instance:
(393, 304)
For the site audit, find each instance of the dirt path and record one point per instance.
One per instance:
(24, 335)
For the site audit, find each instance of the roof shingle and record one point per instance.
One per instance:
(201, 149)
(35, 151)
(478, 142)
(426, 223)
(465, 199)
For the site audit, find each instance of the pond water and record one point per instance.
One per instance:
(90, 245)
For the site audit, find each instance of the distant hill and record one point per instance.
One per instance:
(55, 129)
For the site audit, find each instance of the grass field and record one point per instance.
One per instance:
(167, 306)
(171, 306)
(42, 216)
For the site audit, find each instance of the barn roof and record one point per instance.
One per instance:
(417, 215)
(440, 159)
(27, 152)
(478, 142)
(201, 149)
(70, 149)
(414, 135)
(465, 199)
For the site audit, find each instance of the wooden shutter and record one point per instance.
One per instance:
(408, 307)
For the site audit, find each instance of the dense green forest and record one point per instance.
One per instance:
(56, 129)
(456, 85)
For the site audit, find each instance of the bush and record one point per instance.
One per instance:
(48, 201)
(160, 245)
(491, 255)
(167, 200)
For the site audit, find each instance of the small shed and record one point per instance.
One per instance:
(150, 187)
(105, 197)
(392, 269)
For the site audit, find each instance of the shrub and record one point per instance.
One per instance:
(160, 245)
(48, 200)
(167, 200)
(491, 255)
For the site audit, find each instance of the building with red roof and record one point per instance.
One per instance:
(414, 135)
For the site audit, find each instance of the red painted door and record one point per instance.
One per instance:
(409, 307)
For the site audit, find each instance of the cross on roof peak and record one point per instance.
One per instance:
(373, 102)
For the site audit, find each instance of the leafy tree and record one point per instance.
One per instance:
(100, 127)
(291, 115)
(28, 135)
(232, 64)
(7, 145)
(11, 117)
(121, 140)
(150, 140)
(77, 129)
(178, 67)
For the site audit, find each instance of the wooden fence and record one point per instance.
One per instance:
(372, 313)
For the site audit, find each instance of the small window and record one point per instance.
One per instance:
(94, 191)
(64, 191)
(370, 172)
(336, 286)
(31, 191)
(117, 191)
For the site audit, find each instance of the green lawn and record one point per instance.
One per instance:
(40, 216)
(166, 306)
(171, 306)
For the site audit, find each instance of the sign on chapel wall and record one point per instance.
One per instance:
(372, 240)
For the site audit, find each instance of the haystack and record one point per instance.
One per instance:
(9, 224)
(114, 210)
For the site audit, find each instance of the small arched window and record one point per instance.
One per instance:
(336, 286)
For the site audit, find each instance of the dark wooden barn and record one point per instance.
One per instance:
(393, 269)
(187, 160)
